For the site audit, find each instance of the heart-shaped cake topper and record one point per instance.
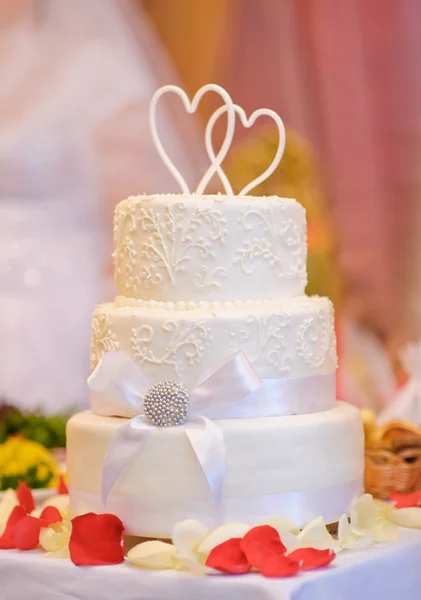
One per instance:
(191, 107)
(216, 159)
(247, 122)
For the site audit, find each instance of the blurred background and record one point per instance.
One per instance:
(76, 81)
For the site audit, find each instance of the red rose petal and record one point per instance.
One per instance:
(6, 542)
(25, 534)
(50, 515)
(229, 558)
(310, 558)
(96, 540)
(257, 554)
(266, 535)
(280, 565)
(406, 500)
(25, 497)
(62, 487)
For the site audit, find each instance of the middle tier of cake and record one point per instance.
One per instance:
(283, 338)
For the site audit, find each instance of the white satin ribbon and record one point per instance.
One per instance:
(233, 390)
(118, 378)
(156, 518)
(117, 388)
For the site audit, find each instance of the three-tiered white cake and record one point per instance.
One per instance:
(199, 279)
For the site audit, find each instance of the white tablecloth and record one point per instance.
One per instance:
(385, 572)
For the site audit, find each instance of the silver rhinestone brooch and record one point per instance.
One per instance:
(166, 404)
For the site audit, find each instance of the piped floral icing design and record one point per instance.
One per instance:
(103, 338)
(169, 238)
(207, 277)
(316, 338)
(267, 335)
(209, 248)
(184, 345)
(292, 337)
(281, 243)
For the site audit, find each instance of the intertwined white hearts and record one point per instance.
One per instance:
(216, 159)
(247, 122)
(191, 107)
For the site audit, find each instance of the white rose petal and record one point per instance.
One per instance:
(407, 517)
(60, 501)
(363, 514)
(386, 532)
(282, 524)
(347, 539)
(55, 537)
(315, 535)
(368, 514)
(187, 535)
(290, 541)
(153, 555)
(221, 534)
(7, 504)
(63, 553)
(198, 567)
(372, 517)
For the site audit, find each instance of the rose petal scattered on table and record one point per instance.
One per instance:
(50, 514)
(153, 554)
(229, 558)
(316, 535)
(257, 554)
(266, 535)
(61, 502)
(290, 541)
(96, 540)
(386, 532)
(25, 497)
(406, 500)
(280, 566)
(311, 558)
(62, 487)
(25, 533)
(348, 539)
(221, 534)
(372, 517)
(56, 537)
(7, 504)
(62, 553)
(407, 517)
(188, 534)
(282, 524)
(6, 542)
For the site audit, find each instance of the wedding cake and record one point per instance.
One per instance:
(213, 386)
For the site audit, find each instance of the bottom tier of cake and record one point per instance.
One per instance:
(300, 466)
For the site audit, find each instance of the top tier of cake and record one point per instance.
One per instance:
(189, 247)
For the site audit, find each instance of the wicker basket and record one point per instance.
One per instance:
(392, 457)
(392, 470)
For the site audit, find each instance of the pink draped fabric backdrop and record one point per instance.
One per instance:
(340, 74)
(345, 75)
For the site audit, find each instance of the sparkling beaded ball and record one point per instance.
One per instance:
(166, 404)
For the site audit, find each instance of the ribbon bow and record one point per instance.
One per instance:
(121, 388)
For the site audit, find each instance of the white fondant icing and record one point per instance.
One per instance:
(175, 248)
(264, 457)
(292, 337)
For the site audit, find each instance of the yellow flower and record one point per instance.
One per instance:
(22, 459)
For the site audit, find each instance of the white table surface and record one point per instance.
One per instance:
(383, 572)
